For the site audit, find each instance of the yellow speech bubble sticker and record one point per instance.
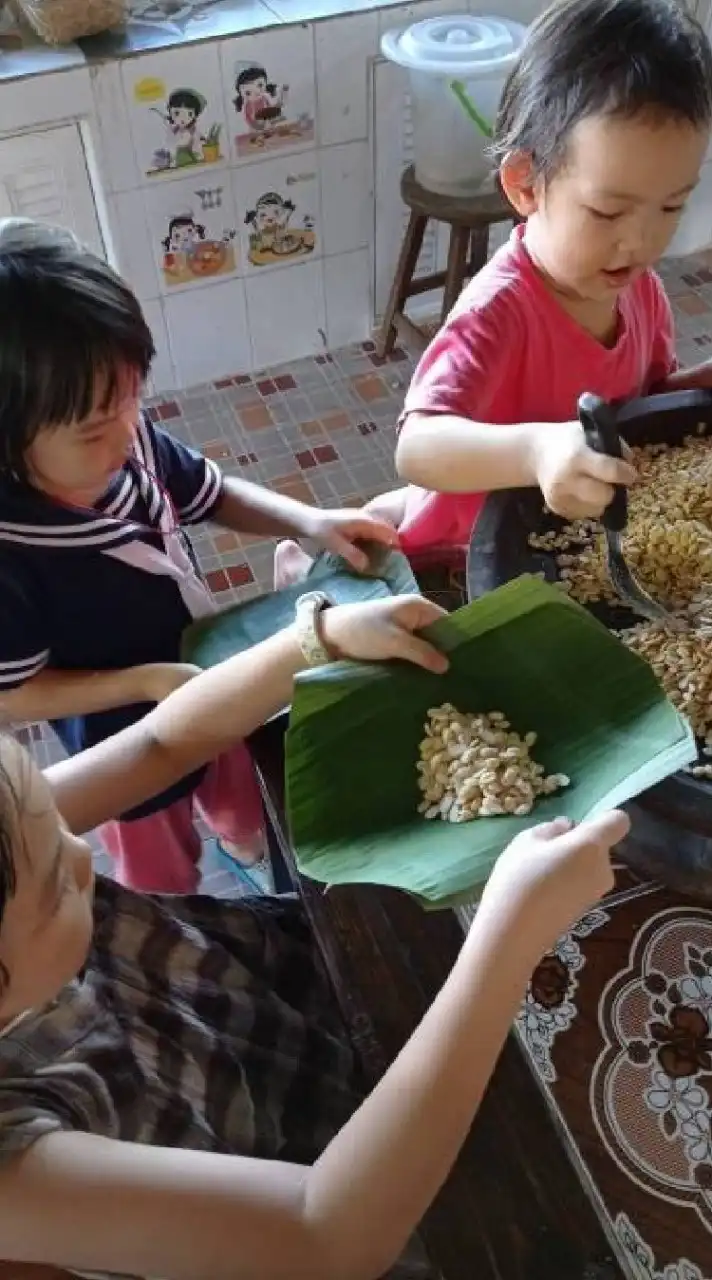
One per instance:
(150, 89)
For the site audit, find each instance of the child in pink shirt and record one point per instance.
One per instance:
(511, 353)
(601, 134)
(603, 127)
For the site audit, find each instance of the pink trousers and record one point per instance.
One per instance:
(160, 853)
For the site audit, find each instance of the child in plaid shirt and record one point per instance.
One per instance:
(177, 1094)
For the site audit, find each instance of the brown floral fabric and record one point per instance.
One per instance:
(617, 1025)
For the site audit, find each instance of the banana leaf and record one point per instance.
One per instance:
(220, 636)
(526, 650)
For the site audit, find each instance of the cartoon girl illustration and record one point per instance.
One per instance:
(183, 111)
(183, 234)
(261, 103)
(192, 252)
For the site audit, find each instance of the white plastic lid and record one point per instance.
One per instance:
(461, 45)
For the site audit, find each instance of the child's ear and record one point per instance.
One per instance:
(518, 182)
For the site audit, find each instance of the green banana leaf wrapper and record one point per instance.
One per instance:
(525, 649)
(222, 635)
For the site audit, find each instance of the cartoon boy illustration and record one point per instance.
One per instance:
(183, 111)
(261, 103)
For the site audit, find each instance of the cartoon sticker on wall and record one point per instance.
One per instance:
(196, 246)
(273, 237)
(189, 136)
(263, 110)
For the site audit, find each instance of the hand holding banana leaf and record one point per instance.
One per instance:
(525, 651)
(384, 629)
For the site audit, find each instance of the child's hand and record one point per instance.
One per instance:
(550, 875)
(340, 531)
(381, 629)
(576, 482)
(157, 679)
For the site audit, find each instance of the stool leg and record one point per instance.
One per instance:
(400, 289)
(479, 248)
(455, 270)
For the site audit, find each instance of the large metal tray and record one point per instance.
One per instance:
(500, 551)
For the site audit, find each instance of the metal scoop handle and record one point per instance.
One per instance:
(600, 430)
(599, 426)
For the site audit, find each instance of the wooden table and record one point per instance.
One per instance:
(513, 1207)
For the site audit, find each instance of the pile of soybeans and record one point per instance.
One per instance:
(475, 765)
(668, 545)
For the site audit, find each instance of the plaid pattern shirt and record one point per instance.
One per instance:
(195, 1023)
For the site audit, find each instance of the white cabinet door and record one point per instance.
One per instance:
(45, 176)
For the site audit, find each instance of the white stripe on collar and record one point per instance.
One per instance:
(125, 494)
(109, 537)
(207, 493)
(23, 668)
(112, 525)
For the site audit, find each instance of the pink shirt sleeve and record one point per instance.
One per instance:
(462, 373)
(463, 369)
(663, 359)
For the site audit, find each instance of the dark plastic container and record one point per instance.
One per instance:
(671, 838)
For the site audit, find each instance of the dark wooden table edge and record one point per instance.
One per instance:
(514, 1207)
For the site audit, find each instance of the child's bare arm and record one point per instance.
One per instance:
(53, 694)
(456, 455)
(224, 705)
(249, 508)
(697, 377)
(92, 1203)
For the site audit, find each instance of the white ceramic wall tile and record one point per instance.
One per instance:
(401, 15)
(287, 314)
(45, 99)
(314, 10)
(111, 129)
(524, 11)
(349, 307)
(193, 231)
(694, 232)
(278, 209)
(208, 333)
(163, 375)
(175, 107)
(136, 259)
(270, 92)
(343, 49)
(346, 197)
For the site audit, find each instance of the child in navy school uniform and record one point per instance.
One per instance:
(97, 579)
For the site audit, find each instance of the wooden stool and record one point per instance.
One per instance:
(470, 219)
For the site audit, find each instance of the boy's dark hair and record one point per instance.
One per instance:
(602, 57)
(69, 329)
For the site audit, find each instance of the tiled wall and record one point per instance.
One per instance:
(197, 241)
(247, 249)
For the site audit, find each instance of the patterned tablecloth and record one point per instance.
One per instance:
(617, 1025)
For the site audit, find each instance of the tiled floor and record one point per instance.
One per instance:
(323, 430)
